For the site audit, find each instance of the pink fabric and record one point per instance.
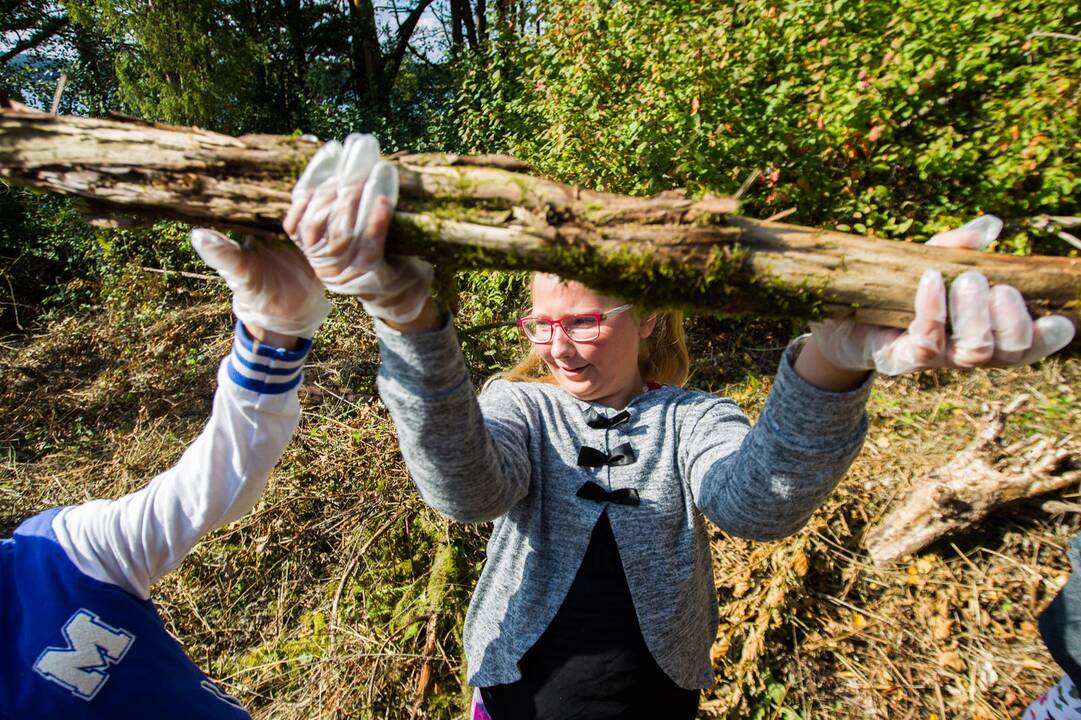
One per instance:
(477, 711)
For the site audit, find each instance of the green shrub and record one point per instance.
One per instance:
(50, 257)
(889, 118)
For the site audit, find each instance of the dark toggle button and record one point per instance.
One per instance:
(592, 457)
(597, 421)
(592, 491)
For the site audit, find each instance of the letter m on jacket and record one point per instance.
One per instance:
(82, 666)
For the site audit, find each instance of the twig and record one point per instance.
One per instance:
(780, 702)
(181, 273)
(853, 608)
(1059, 35)
(1057, 507)
(328, 391)
(424, 682)
(419, 56)
(14, 303)
(352, 564)
(1021, 566)
(1067, 237)
(747, 183)
(971, 565)
(941, 702)
(893, 668)
(299, 660)
(1054, 225)
(781, 215)
(59, 91)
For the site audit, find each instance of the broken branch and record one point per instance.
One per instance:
(976, 482)
(485, 212)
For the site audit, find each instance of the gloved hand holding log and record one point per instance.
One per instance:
(476, 212)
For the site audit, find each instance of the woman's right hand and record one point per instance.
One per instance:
(340, 215)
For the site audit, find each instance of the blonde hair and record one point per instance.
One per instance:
(662, 357)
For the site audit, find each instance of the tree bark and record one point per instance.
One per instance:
(457, 36)
(466, 11)
(477, 212)
(482, 24)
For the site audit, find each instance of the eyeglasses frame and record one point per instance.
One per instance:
(599, 317)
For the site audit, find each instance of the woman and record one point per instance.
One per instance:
(597, 597)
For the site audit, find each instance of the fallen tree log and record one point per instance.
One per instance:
(486, 211)
(976, 482)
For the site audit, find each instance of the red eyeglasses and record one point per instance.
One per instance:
(580, 328)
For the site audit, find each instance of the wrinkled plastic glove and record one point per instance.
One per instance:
(340, 214)
(273, 287)
(990, 325)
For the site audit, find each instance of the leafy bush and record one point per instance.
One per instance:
(44, 245)
(50, 256)
(889, 118)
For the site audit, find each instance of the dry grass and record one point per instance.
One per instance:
(335, 593)
(951, 633)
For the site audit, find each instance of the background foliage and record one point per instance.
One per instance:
(893, 118)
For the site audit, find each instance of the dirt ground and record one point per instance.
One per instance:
(342, 596)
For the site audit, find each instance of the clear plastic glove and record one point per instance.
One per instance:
(990, 325)
(273, 287)
(340, 214)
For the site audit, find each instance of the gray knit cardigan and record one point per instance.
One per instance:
(512, 458)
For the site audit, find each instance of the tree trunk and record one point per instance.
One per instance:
(466, 11)
(368, 70)
(478, 212)
(457, 36)
(482, 24)
(393, 62)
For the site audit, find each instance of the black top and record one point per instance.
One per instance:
(591, 663)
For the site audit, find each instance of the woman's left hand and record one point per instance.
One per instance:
(990, 326)
(341, 211)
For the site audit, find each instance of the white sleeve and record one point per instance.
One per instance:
(133, 541)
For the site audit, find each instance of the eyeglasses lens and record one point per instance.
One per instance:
(581, 327)
(537, 330)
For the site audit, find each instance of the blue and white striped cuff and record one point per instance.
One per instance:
(264, 369)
